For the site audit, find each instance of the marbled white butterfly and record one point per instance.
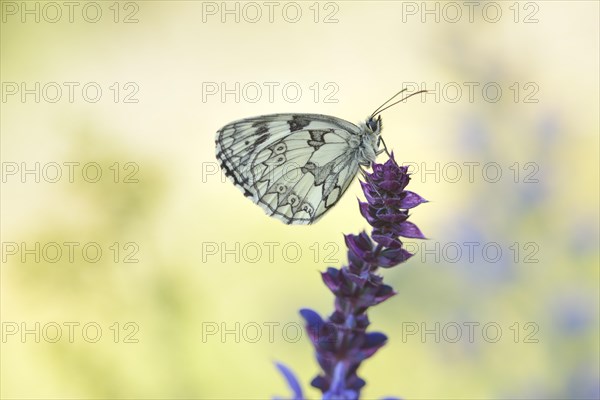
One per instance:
(297, 166)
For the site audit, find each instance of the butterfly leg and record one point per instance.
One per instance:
(381, 141)
(365, 177)
(363, 172)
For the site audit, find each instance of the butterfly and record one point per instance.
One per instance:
(296, 167)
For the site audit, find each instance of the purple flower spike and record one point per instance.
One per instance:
(357, 286)
(341, 341)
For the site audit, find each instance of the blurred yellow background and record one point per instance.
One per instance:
(196, 292)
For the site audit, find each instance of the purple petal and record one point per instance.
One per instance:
(375, 339)
(370, 194)
(390, 202)
(331, 278)
(354, 382)
(365, 211)
(391, 163)
(357, 280)
(392, 217)
(310, 316)
(392, 257)
(314, 323)
(409, 230)
(373, 342)
(291, 380)
(360, 244)
(411, 200)
(320, 382)
(387, 240)
(377, 169)
(385, 291)
(391, 186)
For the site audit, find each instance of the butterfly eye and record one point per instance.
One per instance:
(372, 124)
(281, 189)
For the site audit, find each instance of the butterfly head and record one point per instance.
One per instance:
(374, 124)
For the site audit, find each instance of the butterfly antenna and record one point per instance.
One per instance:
(401, 100)
(387, 101)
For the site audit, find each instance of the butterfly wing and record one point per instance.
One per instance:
(294, 166)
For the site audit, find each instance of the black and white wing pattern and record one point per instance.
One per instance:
(294, 166)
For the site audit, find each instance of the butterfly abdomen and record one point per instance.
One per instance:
(369, 144)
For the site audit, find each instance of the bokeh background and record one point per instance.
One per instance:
(209, 262)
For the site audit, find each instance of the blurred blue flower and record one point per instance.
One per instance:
(584, 382)
(573, 314)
